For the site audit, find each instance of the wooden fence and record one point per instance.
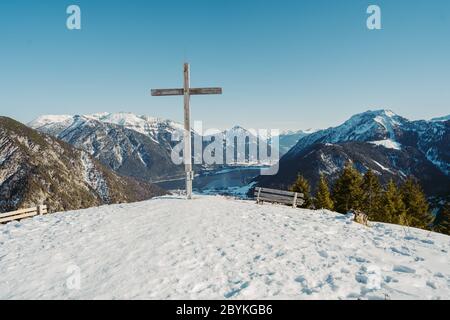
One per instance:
(279, 196)
(23, 214)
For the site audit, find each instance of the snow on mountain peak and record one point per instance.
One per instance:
(377, 126)
(377, 114)
(147, 125)
(47, 119)
(380, 124)
(389, 113)
(298, 132)
(237, 129)
(124, 119)
(441, 119)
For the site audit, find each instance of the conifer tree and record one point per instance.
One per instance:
(442, 221)
(301, 185)
(393, 209)
(323, 196)
(372, 195)
(347, 192)
(417, 208)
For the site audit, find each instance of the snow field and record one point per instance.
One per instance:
(217, 248)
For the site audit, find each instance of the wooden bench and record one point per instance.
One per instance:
(279, 196)
(23, 214)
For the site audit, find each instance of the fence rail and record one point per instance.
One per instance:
(23, 214)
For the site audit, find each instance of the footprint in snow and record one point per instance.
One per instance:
(402, 251)
(389, 279)
(431, 285)
(358, 259)
(345, 270)
(236, 291)
(403, 269)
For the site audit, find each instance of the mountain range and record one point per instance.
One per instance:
(138, 147)
(141, 146)
(37, 168)
(390, 145)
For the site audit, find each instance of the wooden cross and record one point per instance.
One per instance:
(187, 92)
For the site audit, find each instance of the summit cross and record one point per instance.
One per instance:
(187, 92)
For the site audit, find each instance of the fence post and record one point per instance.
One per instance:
(294, 205)
(40, 210)
(259, 193)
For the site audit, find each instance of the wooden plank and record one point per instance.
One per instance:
(277, 194)
(18, 212)
(275, 197)
(269, 196)
(167, 92)
(180, 92)
(287, 194)
(280, 192)
(18, 217)
(203, 91)
(284, 192)
(281, 200)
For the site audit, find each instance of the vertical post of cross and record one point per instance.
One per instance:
(187, 132)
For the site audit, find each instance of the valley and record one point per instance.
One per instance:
(229, 181)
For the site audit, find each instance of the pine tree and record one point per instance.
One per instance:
(417, 208)
(301, 185)
(347, 192)
(393, 209)
(442, 222)
(372, 195)
(323, 196)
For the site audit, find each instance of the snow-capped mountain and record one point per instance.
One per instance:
(288, 139)
(248, 139)
(36, 168)
(389, 144)
(141, 146)
(159, 130)
(382, 127)
(445, 118)
(237, 143)
(133, 146)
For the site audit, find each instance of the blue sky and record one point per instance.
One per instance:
(282, 64)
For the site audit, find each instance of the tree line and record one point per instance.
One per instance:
(404, 204)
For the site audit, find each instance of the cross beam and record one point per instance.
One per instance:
(187, 92)
(180, 92)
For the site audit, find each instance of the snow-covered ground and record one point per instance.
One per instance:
(218, 248)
